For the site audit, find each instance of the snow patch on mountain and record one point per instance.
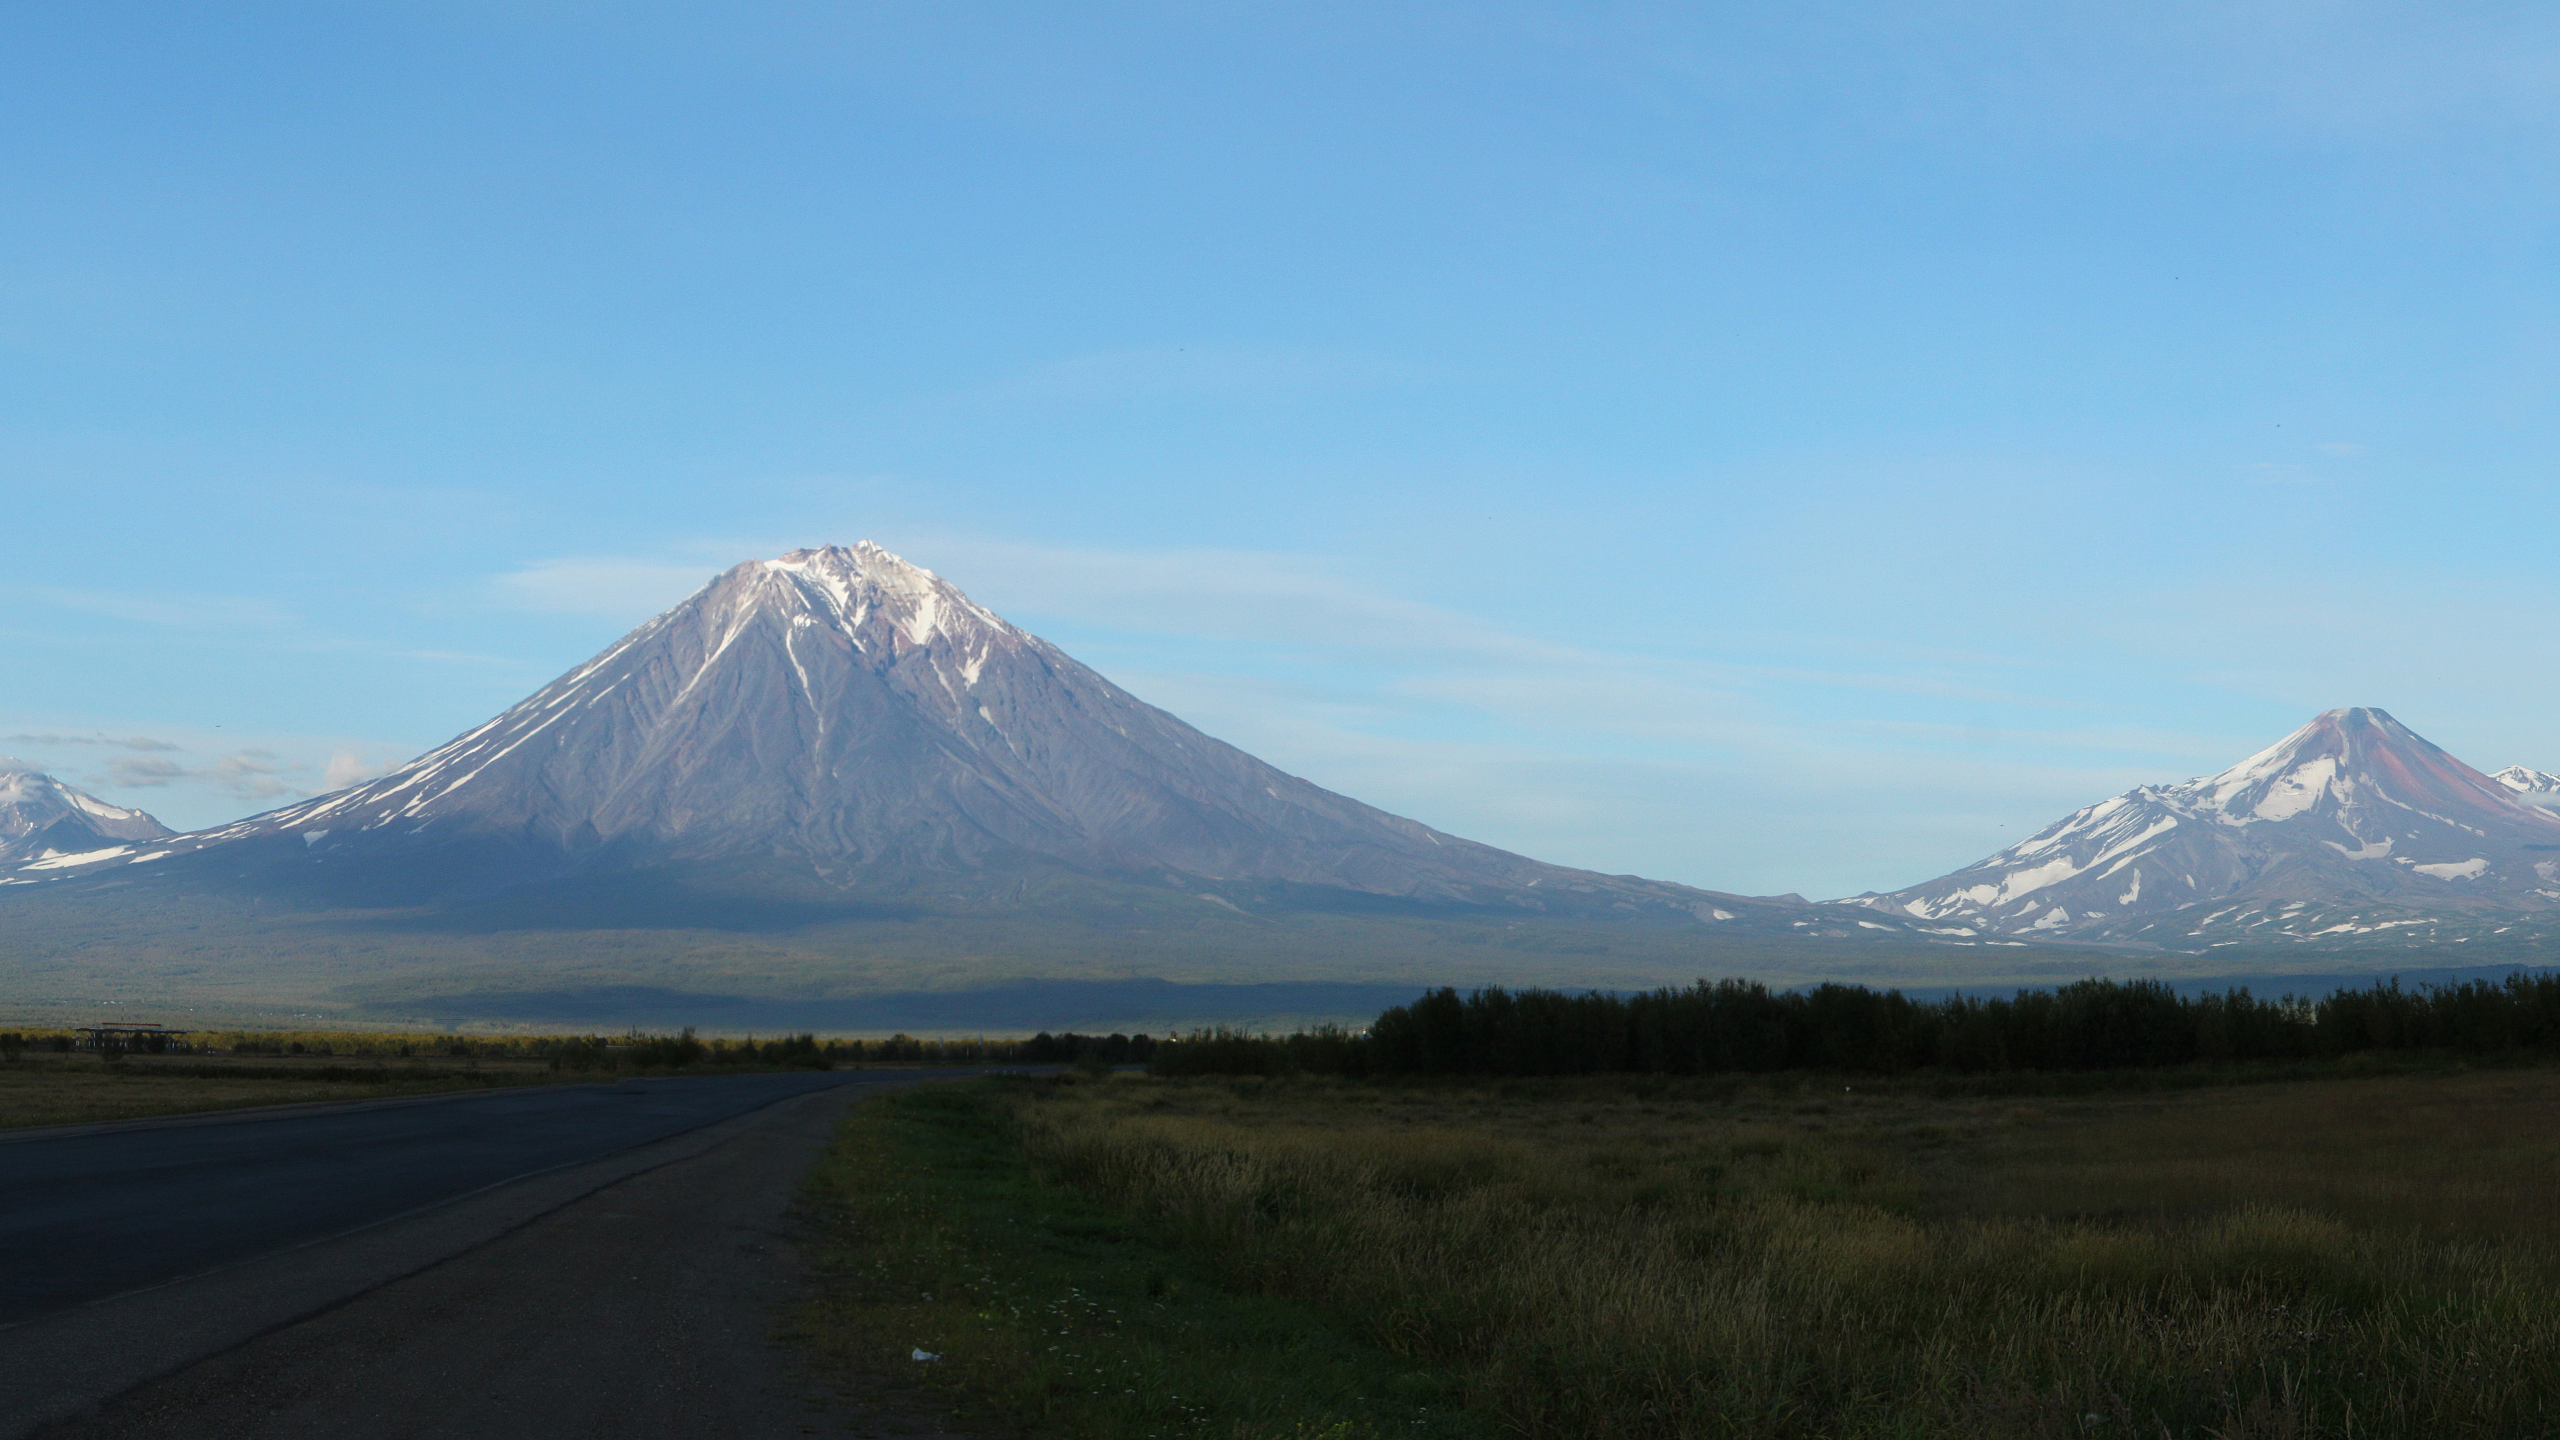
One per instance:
(42, 819)
(2533, 787)
(2351, 808)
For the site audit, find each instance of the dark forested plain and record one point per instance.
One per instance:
(1744, 1027)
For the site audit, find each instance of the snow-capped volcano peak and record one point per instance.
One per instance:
(2353, 806)
(851, 584)
(750, 697)
(2340, 761)
(2533, 787)
(41, 818)
(840, 716)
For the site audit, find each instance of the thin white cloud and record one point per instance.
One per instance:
(195, 778)
(460, 657)
(1228, 595)
(610, 587)
(348, 767)
(187, 612)
(124, 742)
(248, 774)
(150, 772)
(1573, 752)
(257, 775)
(1723, 772)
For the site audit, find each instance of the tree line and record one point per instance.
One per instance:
(639, 1051)
(1741, 1026)
(807, 1051)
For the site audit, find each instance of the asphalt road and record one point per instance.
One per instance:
(88, 1216)
(646, 1309)
(611, 1261)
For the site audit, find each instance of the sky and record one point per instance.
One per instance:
(1776, 448)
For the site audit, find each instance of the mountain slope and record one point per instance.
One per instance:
(838, 720)
(2352, 825)
(44, 822)
(2534, 787)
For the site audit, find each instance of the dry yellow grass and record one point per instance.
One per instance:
(2366, 1257)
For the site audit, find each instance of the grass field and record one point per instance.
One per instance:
(1047, 1307)
(79, 1089)
(2374, 1256)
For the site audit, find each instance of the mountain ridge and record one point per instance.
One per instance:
(44, 822)
(2351, 826)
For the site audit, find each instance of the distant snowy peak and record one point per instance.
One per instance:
(2345, 760)
(2353, 807)
(2533, 787)
(42, 819)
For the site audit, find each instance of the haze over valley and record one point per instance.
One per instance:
(830, 778)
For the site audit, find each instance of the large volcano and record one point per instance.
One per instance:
(839, 720)
(2352, 825)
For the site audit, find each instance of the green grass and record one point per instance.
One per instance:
(1053, 1309)
(2372, 1256)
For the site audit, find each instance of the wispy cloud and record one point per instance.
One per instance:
(1233, 595)
(348, 767)
(249, 774)
(186, 612)
(1696, 768)
(607, 586)
(127, 772)
(460, 657)
(125, 742)
(1709, 765)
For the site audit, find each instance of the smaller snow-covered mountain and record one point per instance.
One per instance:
(42, 819)
(2351, 826)
(2533, 787)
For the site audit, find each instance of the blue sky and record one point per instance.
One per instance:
(1793, 447)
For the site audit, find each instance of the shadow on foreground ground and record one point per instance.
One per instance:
(650, 1308)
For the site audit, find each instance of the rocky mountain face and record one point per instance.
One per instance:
(2534, 787)
(2351, 827)
(840, 719)
(44, 823)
